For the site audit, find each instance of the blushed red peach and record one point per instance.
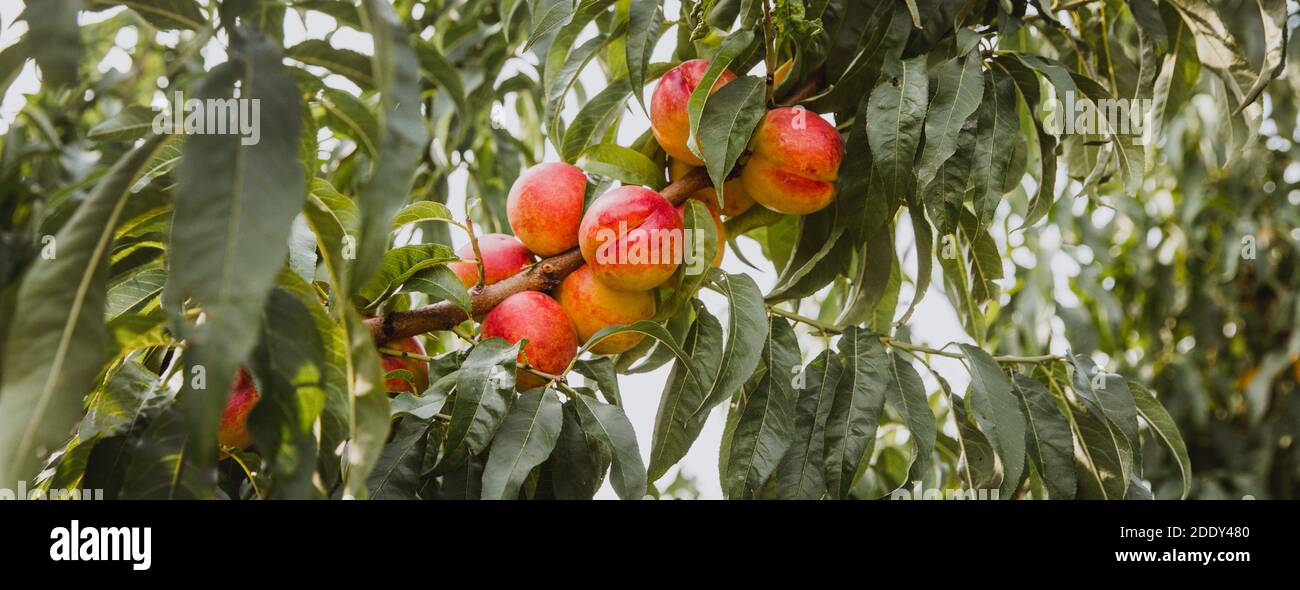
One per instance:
(734, 198)
(233, 428)
(419, 368)
(795, 162)
(503, 257)
(717, 224)
(668, 117)
(592, 306)
(535, 317)
(632, 238)
(544, 207)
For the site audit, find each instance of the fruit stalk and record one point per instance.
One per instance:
(543, 276)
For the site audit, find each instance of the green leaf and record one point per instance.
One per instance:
(130, 124)
(799, 475)
(333, 218)
(623, 164)
(348, 115)
(999, 130)
(609, 425)
(369, 408)
(289, 364)
(485, 388)
(578, 462)
(677, 424)
(961, 86)
(421, 211)
(745, 329)
(765, 425)
(644, 22)
(234, 208)
(600, 372)
(1160, 422)
(400, 265)
(525, 439)
(135, 290)
(594, 119)
(906, 393)
(57, 338)
(728, 120)
(733, 49)
(442, 71)
(397, 472)
(58, 50)
(998, 414)
(856, 411)
(896, 110)
(164, 14)
(1049, 439)
(700, 251)
(440, 283)
(404, 137)
(344, 62)
(1109, 395)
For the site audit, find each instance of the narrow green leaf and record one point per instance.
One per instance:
(644, 21)
(961, 86)
(1160, 422)
(856, 411)
(623, 164)
(765, 425)
(525, 439)
(397, 472)
(799, 475)
(734, 48)
(906, 393)
(609, 425)
(57, 338)
(998, 414)
(728, 120)
(1049, 439)
(485, 388)
(58, 51)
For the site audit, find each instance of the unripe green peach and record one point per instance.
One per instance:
(592, 306)
(544, 207)
(632, 238)
(535, 317)
(668, 116)
(503, 257)
(734, 198)
(795, 162)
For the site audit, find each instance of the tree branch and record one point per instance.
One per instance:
(543, 276)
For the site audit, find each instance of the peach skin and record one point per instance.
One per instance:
(592, 306)
(632, 238)
(503, 257)
(535, 317)
(668, 117)
(734, 198)
(544, 207)
(795, 162)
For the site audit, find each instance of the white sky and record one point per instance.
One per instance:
(934, 322)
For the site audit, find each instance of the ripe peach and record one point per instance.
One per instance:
(233, 429)
(503, 257)
(535, 317)
(795, 162)
(544, 207)
(632, 238)
(419, 368)
(668, 118)
(593, 306)
(717, 224)
(734, 198)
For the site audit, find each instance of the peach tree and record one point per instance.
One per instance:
(191, 308)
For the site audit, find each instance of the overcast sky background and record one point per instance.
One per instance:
(934, 322)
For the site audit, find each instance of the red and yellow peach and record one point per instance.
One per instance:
(668, 113)
(544, 207)
(632, 238)
(592, 306)
(795, 162)
(535, 317)
(503, 257)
